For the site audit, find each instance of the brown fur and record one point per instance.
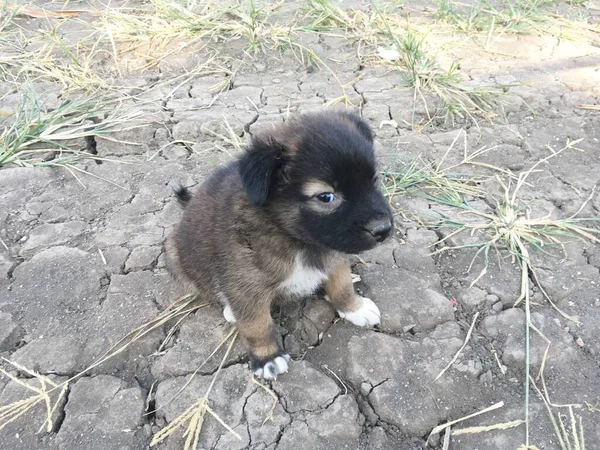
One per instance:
(227, 248)
(339, 289)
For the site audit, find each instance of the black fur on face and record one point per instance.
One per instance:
(317, 179)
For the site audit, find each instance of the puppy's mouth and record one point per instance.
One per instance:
(367, 241)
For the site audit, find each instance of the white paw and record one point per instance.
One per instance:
(367, 315)
(273, 367)
(228, 314)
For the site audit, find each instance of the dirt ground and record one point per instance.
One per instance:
(81, 257)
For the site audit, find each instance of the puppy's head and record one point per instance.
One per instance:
(316, 177)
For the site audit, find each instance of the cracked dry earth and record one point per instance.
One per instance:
(85, 266)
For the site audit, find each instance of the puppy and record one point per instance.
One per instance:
(280, 221)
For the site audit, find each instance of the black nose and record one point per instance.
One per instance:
(379, 228)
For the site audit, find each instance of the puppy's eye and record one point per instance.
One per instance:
(326, 197)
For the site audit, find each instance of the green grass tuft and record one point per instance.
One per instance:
(33, 131)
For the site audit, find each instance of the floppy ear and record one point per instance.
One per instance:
(259, 167)
(360, 124)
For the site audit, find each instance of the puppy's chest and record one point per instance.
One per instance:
(303, 280)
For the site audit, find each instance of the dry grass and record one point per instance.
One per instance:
(455, 357)
(442, 427)
(16, 410)
(387, 37)
(45, 56)
(42, 394)
(161, 29)
(141, 38)
(511, 227)
(34, 135)
(193, 417)
(518, 17)
(410, 54)
(439, 181)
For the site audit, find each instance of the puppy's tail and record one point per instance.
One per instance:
(183, 195)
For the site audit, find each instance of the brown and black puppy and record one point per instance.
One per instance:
(278, 222)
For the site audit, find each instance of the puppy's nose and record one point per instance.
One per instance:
(379, 228)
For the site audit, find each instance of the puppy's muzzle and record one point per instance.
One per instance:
(380, 229)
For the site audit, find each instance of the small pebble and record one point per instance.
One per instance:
(365, 388)
(491, 299)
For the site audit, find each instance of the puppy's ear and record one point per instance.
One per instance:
(260, 165)
(360, 125)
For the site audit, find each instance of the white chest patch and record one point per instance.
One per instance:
(304, 279)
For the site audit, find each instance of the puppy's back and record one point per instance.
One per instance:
(196, 247)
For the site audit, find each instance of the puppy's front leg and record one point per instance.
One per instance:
(358, 310)
(256, 327)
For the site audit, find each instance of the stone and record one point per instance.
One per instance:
(18, 185)
(594, 257)
(24, 433)
(507, 329)
(66, 200)
(406, 301)
(472, 297)
(114, 258)
(131, 301)
(10, 332)
(336, 427)
(414, 257)
(6, 266)
(491, 299)
(298, 436)
(127, 227)
(502, 279)
(158, 184)
(446, 138)
(135, 141)
(305, 388)
(249, 97)
(402, 372)
(143, 204)
(56, 290)
(175, 152)
(339, 422)
(421, 238)
(61, 355)
(486, 377)
(103, 412)
(231, 391)
(264, 423)
(51, 234)
(293, 345)
(187, 130)
(199, 335)
(372, 83)
(142, 258)
(567, 281)
(204, 87)
(381, 254)
(505, 79)
(319, 312)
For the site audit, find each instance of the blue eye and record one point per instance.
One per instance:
(326, 197)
